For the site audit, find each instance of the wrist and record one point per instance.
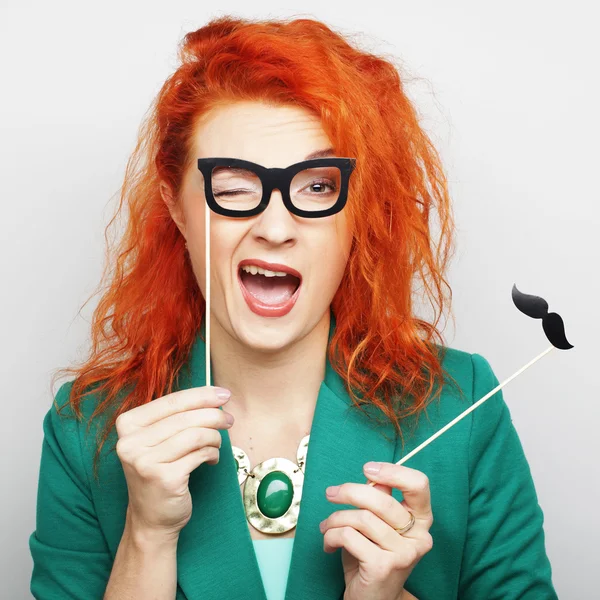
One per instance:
(147, 539)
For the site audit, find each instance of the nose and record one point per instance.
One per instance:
(275, 223)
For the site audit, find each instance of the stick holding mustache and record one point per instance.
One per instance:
(552, 323)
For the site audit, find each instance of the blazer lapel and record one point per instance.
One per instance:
(216, 557)
(341, 442)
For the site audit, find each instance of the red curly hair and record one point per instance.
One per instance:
(141, 337)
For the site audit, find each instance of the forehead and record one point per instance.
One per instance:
(271, 135)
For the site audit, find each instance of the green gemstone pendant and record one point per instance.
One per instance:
(272, 490)
(274, 494)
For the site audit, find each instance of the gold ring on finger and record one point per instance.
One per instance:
(407, 527)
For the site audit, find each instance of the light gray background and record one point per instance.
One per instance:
(509, 93)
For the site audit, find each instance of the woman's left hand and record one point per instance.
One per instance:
(377, 560)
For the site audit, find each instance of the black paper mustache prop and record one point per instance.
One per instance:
(552, 323)
(537, 308)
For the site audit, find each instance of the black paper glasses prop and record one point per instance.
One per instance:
(552, 323)
(239, 188)
(311, 188)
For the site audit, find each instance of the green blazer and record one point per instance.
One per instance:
(488, 539)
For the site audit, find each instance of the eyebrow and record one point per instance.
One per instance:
(320, 154)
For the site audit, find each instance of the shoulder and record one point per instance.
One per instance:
(61, 422)
(465, 366)
(468, 377)
(70, 434)
(472, 372)
(90, 398)
(62, 416)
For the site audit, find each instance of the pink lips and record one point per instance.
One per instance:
(268, 310)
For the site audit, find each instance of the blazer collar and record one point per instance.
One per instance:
(216, 556)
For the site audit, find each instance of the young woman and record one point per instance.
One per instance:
(321, 184)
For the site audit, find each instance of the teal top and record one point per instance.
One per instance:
(488, 535)
(273, 558)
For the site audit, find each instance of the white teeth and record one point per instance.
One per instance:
(254, 270)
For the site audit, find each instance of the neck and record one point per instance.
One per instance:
(274, 383)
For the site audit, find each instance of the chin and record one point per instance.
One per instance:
(266, 335)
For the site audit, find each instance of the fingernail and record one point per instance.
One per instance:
(222, 393)
(322, 525)
(333, 490)
(372, 467)
(229, 418)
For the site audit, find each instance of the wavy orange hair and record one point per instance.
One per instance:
(150, 312)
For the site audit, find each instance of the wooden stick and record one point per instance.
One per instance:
(470, 409)
(207, 286)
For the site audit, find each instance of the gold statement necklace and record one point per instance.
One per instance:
(272, 489)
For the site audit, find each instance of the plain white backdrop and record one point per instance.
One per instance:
(509, 93)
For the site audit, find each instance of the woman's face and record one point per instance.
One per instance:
(272, 136)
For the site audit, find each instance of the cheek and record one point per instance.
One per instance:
(329, 263)
(224, 238)
(221, 251)
(341, 241)
(337, 267)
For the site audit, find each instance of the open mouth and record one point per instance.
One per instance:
(272, 291)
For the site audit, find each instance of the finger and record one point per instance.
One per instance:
(370, 525)
(181, 400)
(363, 549)
(184, 442)
(413, 484)
(380, 503)
(162, 430)
(191, 461)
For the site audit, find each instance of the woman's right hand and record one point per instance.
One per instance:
(159, 445)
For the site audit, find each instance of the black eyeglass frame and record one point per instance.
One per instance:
(276, 178)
